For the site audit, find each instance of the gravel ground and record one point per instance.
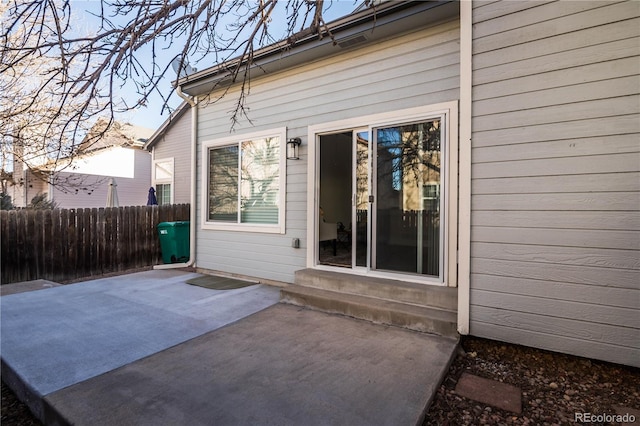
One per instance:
(13, 412)
(554, 387)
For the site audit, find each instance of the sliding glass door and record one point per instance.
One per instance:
(381, 198)
(408, 202)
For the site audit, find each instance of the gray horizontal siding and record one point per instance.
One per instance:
(542, 332)
(605, 182)
(547, 20)
(176, 144)
(559, 237)
(555, 176)
(418, 68)
(584, 147)
(586, 275)
(619, 201)
(377, 78)
(556, 290)
(558, 219)
(573, 255)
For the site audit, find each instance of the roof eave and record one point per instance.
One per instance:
(165, 126)
(385, 20)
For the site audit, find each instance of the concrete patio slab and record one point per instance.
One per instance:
(149, 349)
(57, 337)
(282, 366)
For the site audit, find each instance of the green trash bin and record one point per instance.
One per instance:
(174, 241)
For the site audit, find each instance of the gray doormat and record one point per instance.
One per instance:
(219, 283)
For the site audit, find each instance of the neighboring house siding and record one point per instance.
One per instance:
(92, 189)
(555, 239)
(21, 194)
(176, 144)
(417, 69)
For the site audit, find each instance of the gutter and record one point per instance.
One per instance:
(368, 26)
(302, 37)
(192, 210)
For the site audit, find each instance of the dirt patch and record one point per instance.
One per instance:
(107, 275)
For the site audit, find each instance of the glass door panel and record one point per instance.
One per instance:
(344, 182)
(335, 197)
(407, 202)
(361, 199)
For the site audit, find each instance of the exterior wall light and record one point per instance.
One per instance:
(293, 146)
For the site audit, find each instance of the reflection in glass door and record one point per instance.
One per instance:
(360, 234)
(407, 227)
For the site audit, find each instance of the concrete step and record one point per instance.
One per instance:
(381, 288)
(419, 318)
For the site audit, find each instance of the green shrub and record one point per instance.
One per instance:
(40, 202)
(5, 202)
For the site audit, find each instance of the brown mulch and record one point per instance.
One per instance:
(554, 387)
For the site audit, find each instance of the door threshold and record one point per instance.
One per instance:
(379, 274)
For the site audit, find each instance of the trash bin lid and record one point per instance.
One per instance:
(173, 224)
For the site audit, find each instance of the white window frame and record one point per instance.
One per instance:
(449, 112)
(171, 181)
(278, 228)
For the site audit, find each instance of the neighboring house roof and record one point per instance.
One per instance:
(119, 134)
(363, 26)
(124, 135)
(168, 123)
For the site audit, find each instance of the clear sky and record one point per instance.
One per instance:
(152, 115)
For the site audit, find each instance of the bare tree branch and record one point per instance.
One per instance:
(57, 79)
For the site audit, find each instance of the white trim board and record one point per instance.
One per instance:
(464, 190)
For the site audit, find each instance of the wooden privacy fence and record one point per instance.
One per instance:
(64, 244)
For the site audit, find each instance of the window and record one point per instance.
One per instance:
(431, 197)
(163, 180)
(163, 193)
(245, 182)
